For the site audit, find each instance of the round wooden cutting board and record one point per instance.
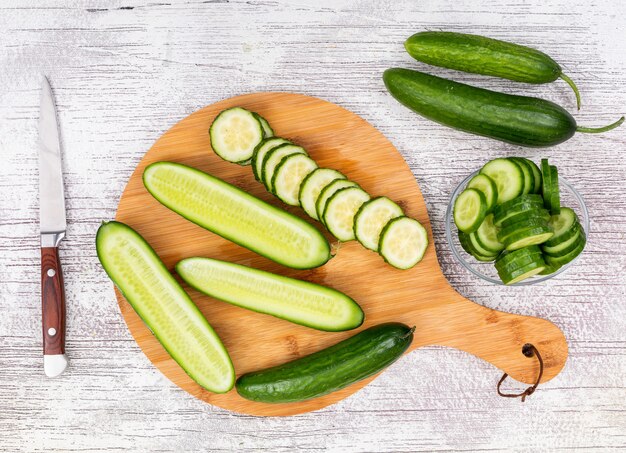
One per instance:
(421, 296)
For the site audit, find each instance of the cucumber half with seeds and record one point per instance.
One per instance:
(372, 218)
(341, 209)
(164, 306)
(294, 300)
(273, 158)
(312, 187)
(403, 242)
(235, 133)
(261, 150)
(329, 191)
(236, 215)
(289, 175)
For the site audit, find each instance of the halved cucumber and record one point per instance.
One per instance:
(536, 175)
(558, 261)
(329, 191)
(236, 215)
(565, 247)
(536, 213)
(371, 218)
(508, 177)
(487, 186)
(470, 209)
(267, 129)
(261, 150)
(235, 133)
(288, 177)
(529, 178)
(312, 186)
(508, 257)
(565, 225)
(487, 236)
(164, 306)
(273, 158)
(403, 242)
(531, 236)
(340, 211)
(523, 273)
(505, 233)
(294, 300)
(546, 186)
(468, 246)
(555, 196)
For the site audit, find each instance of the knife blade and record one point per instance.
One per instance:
(52, 222)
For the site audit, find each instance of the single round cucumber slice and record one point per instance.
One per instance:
(555, 196)
(519, 262)
(522, 273)
(536, 175)
(234, 134)
(273, 158)
(470, 209)
(267, 129)
(508, 177)
(468, 246)
(532, 236)
(536, 213)
(341, 209)
(487, 186)
(565, 225)
(371, 218)
(529, 178)
(507, 257)
(487, 236)
(236, 215)
(294, 300)
(164, 306)
(288, 177)
(564, 259)
(403, 242)
(546, 186)
(312, 187)
(329, 191)
(261, 150)
(566, 247)
(505, 233)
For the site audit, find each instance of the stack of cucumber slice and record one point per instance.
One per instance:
(325, 194)
(511, 213)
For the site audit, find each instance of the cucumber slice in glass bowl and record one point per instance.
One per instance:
(561, 224)
(470, 209)
(507, 175)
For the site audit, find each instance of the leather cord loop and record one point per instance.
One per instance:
(528, 350)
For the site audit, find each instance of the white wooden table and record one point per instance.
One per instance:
(124, 71)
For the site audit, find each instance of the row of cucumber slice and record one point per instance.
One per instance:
(325, 194)
(511, 213)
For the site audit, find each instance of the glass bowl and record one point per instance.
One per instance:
(486, 270)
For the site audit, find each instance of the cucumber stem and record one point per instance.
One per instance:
(571, 83)
(597, 130)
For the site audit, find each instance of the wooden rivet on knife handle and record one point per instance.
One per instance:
(52, 302)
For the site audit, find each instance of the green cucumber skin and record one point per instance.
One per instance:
(520, 120)
(330, 369)
(103, 260)
(482, 55)
(305, 225)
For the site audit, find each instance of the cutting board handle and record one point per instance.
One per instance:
(499, 338)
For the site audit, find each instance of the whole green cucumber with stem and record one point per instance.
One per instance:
(330, 369)
(520, 120)
(486, 56)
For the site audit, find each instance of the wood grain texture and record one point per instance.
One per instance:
(52, 302)
(125, 71)
(421, 296)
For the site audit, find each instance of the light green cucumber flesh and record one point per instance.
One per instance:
(371, 218)
(164, 306)
(313, 185)
(508, 177)
(236, 215)
(261, 150)
(273, 158)
(487, 235)
(327, 192)
(487, 186)
(470, 209)
(294, 300)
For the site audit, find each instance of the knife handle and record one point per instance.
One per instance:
(52, 302)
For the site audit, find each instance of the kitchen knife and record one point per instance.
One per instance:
(52, 225)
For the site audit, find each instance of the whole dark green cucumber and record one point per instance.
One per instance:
(330, 369)
(487, 56)
(521, 120)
